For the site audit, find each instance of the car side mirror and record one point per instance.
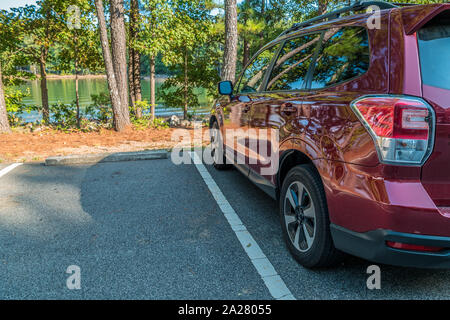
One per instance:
(226, 88)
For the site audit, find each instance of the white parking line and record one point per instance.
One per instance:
(9, 169)
(269, 275)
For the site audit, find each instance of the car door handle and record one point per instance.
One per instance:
(288, 108)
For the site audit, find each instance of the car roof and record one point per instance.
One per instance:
(332, 19)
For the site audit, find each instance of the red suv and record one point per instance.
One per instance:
(361, 104)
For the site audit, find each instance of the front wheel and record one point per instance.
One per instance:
(304, 219)
(217, 149)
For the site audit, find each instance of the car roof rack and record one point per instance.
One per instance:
(357, 6)
(406, 4)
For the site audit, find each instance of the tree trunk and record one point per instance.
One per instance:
(121, 121)
(44, 90)
(131, 79)
(134, 81)
(231, 41)
(246, 53)
(246, 45)
(119, 54)
(4, 124)
(137, 81)
(134, 30)
(77, 95)
(186, 84)
(134, 77)
(152, 87)
(137, 76)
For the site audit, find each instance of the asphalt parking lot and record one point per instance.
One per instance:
(153, 230)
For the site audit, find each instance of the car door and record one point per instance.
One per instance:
(338, 77)
(280, 105)
(236, 111)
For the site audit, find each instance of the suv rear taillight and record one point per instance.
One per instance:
(401, 127)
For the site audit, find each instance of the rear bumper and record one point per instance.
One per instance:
(372, 246)
(363, 199)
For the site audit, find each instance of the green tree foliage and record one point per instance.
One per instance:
(156, 28)
(183, 38)
(10, 57)
(155, 34)
(12, 54)
(261, 21)
(14, 105)
(192, 56)
(250, 28)
(39, 26)
(79, 44)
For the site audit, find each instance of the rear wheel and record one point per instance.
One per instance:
(217, 149)
(304, 219)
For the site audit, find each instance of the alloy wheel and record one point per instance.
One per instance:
(300, 216)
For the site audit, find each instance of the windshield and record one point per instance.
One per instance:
(434, 47)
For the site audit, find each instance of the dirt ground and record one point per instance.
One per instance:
(36, 147)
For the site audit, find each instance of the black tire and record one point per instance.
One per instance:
(308, 238)
(219, 164)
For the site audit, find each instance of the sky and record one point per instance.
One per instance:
(8, 4)
(216, 11)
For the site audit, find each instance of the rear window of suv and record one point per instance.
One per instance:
(434, 48)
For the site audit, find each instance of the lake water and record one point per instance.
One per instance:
(63, 91)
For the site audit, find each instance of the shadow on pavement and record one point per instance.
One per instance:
(152, 230)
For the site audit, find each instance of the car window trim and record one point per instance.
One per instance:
(421, 64)
(312, 67)
(271, 65)
(256, 55)
(296, 36)
(308, 88)
(347, 80)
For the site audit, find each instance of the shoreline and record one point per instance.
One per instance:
(72, 76)
(158, 77)
(20, 146)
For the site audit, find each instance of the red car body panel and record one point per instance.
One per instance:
(436, 171)
(362, 193)
(415, 17)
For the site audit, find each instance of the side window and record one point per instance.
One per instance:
(344, 55)
(291, 68)
(434, 49)
(253, 76)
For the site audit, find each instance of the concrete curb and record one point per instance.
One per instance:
(107, 157)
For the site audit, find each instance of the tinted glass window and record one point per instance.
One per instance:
(345, 54)
(434, 47)
(291, 68)
(253, 76)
